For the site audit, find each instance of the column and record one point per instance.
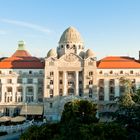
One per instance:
(13, 93)
(106, 86)
(77, 83)
(56, 83)
(35, 92)
(3, 90)
(24, 93)
(64, 83)
(117, 90)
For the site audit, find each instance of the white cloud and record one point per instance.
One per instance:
(27, 25)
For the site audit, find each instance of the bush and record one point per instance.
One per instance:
(3, 133)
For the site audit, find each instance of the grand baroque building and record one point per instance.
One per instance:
(68, 72)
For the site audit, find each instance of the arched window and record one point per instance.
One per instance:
(67, 46)
(74, 46)
(90, 82)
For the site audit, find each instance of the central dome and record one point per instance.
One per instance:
(71, 35)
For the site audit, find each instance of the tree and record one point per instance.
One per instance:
(81, 111)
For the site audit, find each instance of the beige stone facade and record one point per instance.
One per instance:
(71, 72)
(68, 72)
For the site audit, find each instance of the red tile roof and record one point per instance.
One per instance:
(21, 59)
(116, 62)
(21, 53)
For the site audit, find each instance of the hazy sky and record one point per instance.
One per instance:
(109, 27)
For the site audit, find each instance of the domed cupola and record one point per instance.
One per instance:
(52, 53)
(70, 42)
(90, 53)
(70, 35)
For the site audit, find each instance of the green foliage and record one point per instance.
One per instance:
(78, 123)
(3, 133)
(81, 111)
(45, 132)
(136, 97)
(126, 101)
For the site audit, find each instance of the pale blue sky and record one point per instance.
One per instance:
(109, 27)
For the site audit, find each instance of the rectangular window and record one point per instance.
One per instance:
(19, 80)
(60, 82)
(51, 105)
(101, 82)
(61, 92)
(101, 98)
(51, 73)
(9, 81)
(90, 73)
(30, 81)
(30, 89)
(51, 82)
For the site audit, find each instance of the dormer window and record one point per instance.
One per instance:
(10, 72)
(111, 72)
(121, 72)
(100, 72)
(131, 72)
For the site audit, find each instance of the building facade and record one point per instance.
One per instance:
(68, 72)
(73, 72)
(21, 81)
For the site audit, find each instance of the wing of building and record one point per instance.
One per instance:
(67, 72)
(21, 81)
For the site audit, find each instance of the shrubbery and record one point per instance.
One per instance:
(78, 122)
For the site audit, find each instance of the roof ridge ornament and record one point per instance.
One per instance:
(21, 45)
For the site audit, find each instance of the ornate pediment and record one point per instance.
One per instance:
(70, 57)
(70, 60)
